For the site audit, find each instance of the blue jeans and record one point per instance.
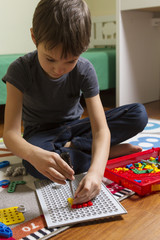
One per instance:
(124, 122)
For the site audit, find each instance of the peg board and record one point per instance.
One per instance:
(57, 212)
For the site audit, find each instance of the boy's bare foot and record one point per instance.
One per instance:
(123, 149)
(69, 145)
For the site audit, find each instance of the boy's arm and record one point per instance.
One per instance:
(90, 185)
(48, 163)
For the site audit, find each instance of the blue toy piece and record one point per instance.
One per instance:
(5, 231)
(139, 181)
(4, 182)
(129, 165)
(4, 164)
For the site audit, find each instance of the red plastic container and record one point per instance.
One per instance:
(150, 182)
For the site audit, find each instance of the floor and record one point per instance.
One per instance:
(143, 216)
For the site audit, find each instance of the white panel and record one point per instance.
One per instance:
(138, 58)
(118, 41)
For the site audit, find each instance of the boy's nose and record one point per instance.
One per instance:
(59, 70)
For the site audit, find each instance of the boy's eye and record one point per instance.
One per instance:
(50, 60)
(72, 61)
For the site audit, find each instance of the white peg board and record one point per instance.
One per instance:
(57, 212)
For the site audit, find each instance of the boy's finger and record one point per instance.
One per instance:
(84, 198)
(56, 174)
(83, 189)
(62, 164)
(78, 190)
(53, 178)
(62, 172)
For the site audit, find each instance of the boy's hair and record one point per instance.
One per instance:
(63, 21)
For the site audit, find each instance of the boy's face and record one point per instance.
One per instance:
(52, 63)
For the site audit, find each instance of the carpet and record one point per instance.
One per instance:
(26, 195)
(34, 225)
(149, 138)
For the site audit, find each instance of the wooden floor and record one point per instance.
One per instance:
(141, 222)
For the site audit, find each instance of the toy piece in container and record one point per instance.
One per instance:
(139, 172)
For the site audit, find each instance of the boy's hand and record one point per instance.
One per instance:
(88, 188)
(51, 165)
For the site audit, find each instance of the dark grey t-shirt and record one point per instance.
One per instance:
(48, 100)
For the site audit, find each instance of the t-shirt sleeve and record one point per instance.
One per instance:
(17, 75)
(89, 86)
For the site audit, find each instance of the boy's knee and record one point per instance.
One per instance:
(142, 117)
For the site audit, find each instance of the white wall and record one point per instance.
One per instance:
(102, 7)
(15, 23)
(16, 20)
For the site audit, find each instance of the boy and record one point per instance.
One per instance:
(44, 88)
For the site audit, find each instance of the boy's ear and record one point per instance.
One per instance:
(32, 36)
